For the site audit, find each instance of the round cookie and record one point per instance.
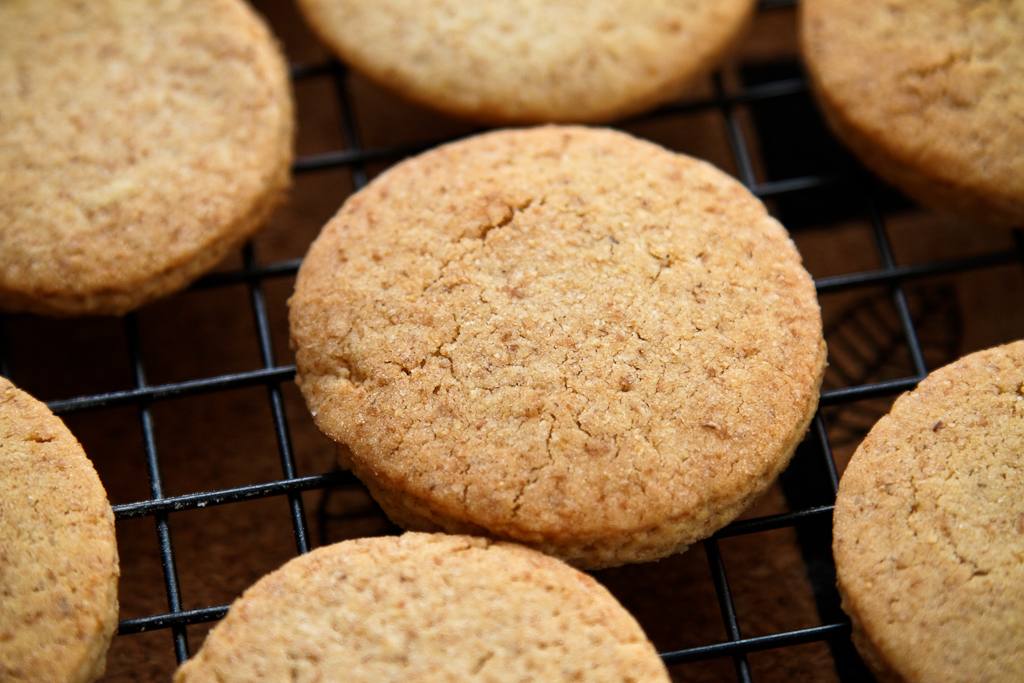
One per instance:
(140, 142)
(928, 95)
(532, 61)
(929, 528)
(561, 336)
(58, 554)
(425, 607)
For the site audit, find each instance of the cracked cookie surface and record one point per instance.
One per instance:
(426, 607)
(928, 95)
(532, 61)
(58, 554)
(929, 527)
(140, 142)
(561, 336)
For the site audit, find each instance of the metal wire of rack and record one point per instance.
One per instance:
(809, 484)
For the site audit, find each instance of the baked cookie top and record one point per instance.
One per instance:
(423, 607)
(139, 143)
(532, 61)
(562, 336)
(929, 95)
(929, 527)
(58, 554)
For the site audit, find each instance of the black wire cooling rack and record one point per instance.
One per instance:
(894, 323)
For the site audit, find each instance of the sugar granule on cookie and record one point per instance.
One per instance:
(532, 61)
(928, 95)
(561, 336)
(58, 554)
(140, 142)
(929, 528)
(424, 607)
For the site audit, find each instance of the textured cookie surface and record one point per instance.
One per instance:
(562, 336)
(929, 527)
(532, 61)
(58, 555)
(425, 607)
(928, 94)
(139, 143)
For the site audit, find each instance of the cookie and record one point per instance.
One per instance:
(561, 336)
(425, 607)
(929, 527)
(140, 142)
(58, 554)
(928, 95)
(532, 61)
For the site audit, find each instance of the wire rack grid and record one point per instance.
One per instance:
(884, 332)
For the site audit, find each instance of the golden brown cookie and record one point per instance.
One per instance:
(58, 554)
(140, 142)
(562, 336)
(532, 61)
(425, 607)
(929, 528)
(928, 95)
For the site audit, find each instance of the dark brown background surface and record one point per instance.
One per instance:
(208, 441)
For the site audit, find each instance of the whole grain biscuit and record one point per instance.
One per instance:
(140, 142)
(561, 336)
(929, 528)
(58, 554)
(532, 61)
(425, 607)
(928, 95)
